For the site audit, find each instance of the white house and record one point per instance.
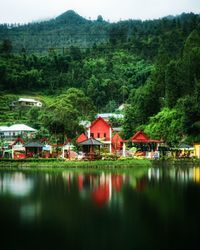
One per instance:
(11, 133)
(26, 102)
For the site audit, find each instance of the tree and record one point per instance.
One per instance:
(6, 47)
(166, 125)
(63, 116)
(172, 87)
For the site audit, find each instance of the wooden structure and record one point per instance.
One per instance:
(91, 148)
(33, 148)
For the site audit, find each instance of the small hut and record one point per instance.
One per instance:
(33, 148)
(91, 148)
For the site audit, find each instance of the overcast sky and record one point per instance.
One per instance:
(23, 11)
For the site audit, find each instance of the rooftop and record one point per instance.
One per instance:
(108, 115)
(17, 127)
(3, 128)
(27, 100)
(90, 141)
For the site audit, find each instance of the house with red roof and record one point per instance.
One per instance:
(144, 144)
(101, 130)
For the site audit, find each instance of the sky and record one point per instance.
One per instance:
(24, 11)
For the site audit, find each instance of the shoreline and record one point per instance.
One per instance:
(60, 163)
(104, 164)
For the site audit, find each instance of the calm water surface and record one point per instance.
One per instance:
(158, 208)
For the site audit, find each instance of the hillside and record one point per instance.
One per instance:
(56, 34)
(152, 66)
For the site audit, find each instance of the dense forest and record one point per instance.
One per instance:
(79, 67)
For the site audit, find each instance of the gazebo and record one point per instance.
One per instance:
(89, 146)
(33, 148)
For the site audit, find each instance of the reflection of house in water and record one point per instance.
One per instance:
(16, 184)
(102, 188)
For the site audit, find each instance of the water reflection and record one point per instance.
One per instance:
(99, 187)
(29, 212)
(16, 184)
(178, 174)
(156, 208)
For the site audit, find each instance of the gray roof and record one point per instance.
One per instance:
(33, 144)
(90, 141)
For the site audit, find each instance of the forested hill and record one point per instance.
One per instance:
(70, 29)
(61, 32)
(151, 66)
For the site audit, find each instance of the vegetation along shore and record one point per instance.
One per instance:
(58, 163)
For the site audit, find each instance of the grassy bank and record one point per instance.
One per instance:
(59, 163)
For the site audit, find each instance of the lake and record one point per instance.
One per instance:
(155, 208)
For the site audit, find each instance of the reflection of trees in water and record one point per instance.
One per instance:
(179, 174)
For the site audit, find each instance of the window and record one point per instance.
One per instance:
(98, 135)
(104, 135)
(92, 134)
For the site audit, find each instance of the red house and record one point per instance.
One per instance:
(102, 131)
(144, 144)
(141, 137)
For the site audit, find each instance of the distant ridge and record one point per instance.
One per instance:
(71, 17)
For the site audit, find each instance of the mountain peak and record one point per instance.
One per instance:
(70, 17)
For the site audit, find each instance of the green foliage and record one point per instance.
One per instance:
(166, 125)
(63, 115)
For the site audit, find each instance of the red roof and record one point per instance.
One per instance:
(117, 139)
(81, 138)
(99, 119)
(18, 140)
(140, 136)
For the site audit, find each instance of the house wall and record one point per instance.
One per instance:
(100, 130)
